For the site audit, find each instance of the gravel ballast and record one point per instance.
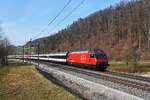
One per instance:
(87, 89)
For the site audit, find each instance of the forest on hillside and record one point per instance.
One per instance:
(121, 31)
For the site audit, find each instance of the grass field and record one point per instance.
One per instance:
(26, 50)
(21, 81)
(19, 51)
(130, 65)
(140, 67)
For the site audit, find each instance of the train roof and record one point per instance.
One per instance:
(55, 54)
(87, 51)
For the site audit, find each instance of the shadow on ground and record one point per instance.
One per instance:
(59, 83)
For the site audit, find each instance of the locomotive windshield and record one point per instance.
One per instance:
(100, 56)
(98, 50)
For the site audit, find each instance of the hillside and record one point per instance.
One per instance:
(120, 31)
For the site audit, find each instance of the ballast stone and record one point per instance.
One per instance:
(88, 89)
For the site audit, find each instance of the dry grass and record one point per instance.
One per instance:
(22, 82)
(140, 68)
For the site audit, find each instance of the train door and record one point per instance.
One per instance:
(92, 59)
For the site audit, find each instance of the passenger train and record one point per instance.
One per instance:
(94, 58)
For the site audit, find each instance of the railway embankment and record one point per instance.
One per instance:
(21, 81)
(90, 90)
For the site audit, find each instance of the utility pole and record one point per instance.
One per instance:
(30, 50)
(38, 53)
(15, 52)
(6, 52)
(44, 46)
(28, 53)
(23, 53)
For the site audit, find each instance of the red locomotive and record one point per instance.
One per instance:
(92, 58)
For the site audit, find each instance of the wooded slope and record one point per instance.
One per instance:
(116, 30)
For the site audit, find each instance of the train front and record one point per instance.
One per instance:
(101, 61)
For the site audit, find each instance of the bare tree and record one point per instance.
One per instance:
(3, 48)
(109, 27)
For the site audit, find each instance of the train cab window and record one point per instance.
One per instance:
(92, 56)
(101, 56)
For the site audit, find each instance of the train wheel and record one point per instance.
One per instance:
(101, 68)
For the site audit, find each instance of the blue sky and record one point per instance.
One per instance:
(24, 19)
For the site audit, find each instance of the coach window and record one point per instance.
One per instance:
(91, 55)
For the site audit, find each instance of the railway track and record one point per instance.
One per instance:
(141, 78)
(129, 83)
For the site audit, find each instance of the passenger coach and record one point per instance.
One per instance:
(91, 58)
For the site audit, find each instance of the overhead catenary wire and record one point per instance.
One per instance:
(69, 14)
(59, 13)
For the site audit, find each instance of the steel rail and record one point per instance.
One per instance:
(125, 82)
